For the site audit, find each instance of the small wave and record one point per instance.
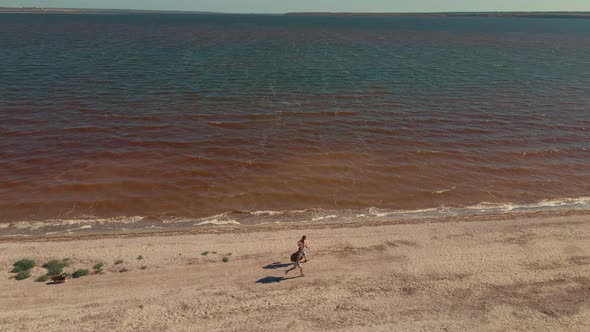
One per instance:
(227, 125)
(546, 204)
(87, 129)
(152, 118)
(267, 213)
(69, 226)
(160, 143)
(219, 219)
(444, 190)
(33, 225)
(319, 114)
(332, 216)
(217, 222)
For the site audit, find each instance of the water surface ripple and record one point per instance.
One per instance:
(196, 115)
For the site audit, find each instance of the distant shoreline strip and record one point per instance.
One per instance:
(34, 10)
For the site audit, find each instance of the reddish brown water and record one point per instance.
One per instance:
(192, 116)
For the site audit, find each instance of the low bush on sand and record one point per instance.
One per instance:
(42, 278)
(123, 270)
(22, 275)
(225, 259)
(118, 261)
(144, 267)
(80, 273)
(54, 267)
(205, 253)
(98, 267)
(140, 257)
(23, 265)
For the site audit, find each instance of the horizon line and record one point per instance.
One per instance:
(24, 8)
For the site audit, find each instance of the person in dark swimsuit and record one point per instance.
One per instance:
(301, 255)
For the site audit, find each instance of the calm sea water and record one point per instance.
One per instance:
(189, 116)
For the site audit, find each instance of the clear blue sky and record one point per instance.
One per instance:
(281, 6)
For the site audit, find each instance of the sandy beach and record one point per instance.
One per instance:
(488, 273)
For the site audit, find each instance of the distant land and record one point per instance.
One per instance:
(32, 10)
(36, 10)
(457, 14)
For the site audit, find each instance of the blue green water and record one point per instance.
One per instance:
(196, 115)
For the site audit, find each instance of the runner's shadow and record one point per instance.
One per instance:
(276, 265)
(270, 280)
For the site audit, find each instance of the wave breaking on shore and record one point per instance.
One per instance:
(90, 224)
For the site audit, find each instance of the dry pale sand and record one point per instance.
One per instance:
(529, 273)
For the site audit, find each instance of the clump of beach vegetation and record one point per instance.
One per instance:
(140, 257)
(23, 265)
(225, 259)
(123, 270)
(205, 253)
(42, 278)
(98, 267)
(118, 261)
(22, 275)
(144, 267)
(80, 273)
(54, 267)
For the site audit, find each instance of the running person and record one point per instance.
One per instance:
(301, 245)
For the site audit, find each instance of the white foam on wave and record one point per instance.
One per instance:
(486, 207)
(266, 213)
(379, 213)
(274, 213)
(309, 215)
(218, 222)
(220, 219)
(373, 211)
(324, 217)
(33, 225)
(567, 203)
(444, 190)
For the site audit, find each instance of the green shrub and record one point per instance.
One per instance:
(140, 257)
(205, 253)
(22, 275)
(225, 259)
(23, 265)
(42, 278)
(98, 267)
(80, 273)
(123, 270)
(118, 261)
(144, 267)
(54, 267)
